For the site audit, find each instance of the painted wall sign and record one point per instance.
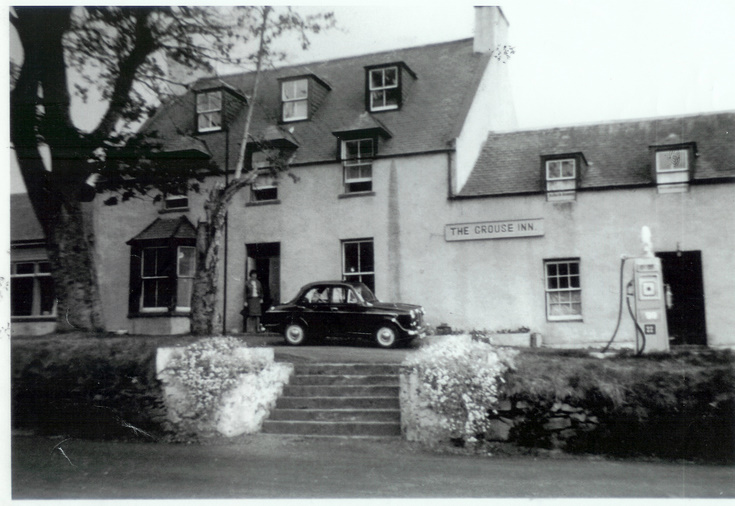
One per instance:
(494, 230)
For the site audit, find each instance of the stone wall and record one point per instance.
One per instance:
(242, 410)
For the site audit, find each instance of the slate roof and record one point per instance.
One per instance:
(167, 228)
(447, 76)
(24, 226)
(618, 153)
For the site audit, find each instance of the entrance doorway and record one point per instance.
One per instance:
(265, 259)
(682, 272)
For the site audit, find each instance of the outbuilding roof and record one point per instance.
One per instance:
(24, 226)
(167, 228)
(617, 153)
(433, 108)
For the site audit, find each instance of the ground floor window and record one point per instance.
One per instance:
(358, 261)
(32, 289)
(162, 278)
(563, 289)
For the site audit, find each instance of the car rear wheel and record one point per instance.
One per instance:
(386, 336)
(295, 334)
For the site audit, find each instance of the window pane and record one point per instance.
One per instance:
(164, 262)
(376, 79)
(351, 257)
(551, 269)
(25, 268)
(390, 77)
(183, 292)
(567, 168)
(187, 259)
(149, 262)
(44, 267)
(366, 256)
(366, 148)
(376, 98)
(391, 97)
(46, 286)
(21, 295)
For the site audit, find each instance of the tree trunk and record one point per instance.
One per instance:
(206, 315)
(70, 247)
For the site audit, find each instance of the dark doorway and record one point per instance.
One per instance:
(265, 259)
(682, 271)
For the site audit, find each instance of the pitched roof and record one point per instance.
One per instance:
(428, 120)
(167, 228)
(618, 154)
(24, 226)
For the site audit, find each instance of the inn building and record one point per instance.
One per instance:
(407, 172)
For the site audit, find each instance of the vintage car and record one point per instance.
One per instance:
(344, 309)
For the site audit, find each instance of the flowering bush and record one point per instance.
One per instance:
(459, 378)
(210, 368)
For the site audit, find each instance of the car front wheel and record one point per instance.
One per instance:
(386, 336)
(295, 334)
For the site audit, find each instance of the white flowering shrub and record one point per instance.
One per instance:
(210, 368)
(459, 378)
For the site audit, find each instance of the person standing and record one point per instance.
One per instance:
(253, 301)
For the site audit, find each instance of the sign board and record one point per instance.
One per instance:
(494, 230)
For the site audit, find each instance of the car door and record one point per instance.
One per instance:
(318, 313)
(354, 317)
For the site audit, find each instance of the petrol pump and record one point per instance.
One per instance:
(650, 299)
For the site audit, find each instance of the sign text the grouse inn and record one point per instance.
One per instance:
(494, 230)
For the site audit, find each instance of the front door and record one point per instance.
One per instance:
(682, 272)
(265, 259)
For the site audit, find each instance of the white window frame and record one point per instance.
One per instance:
(36, 275)
(360, 273)
(180, 276)
(570, 292)
(669, 152)
(208, 109)
(156, 279)
(169, 202)
(382, 90)
(363, 163)
(296, 98)
(263, 181)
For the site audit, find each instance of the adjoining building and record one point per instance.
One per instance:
(406, 173)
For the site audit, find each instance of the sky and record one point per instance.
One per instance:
(575, 61)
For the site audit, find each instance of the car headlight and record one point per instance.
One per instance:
(413, 314)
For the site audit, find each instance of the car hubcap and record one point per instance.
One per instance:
(295, 334)
(386, 336)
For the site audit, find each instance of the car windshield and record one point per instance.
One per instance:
(365, 293)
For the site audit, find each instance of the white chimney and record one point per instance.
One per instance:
(491, 28)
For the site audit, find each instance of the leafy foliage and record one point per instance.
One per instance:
(460, 378)
(210, 368)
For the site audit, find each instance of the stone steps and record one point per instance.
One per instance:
(338, 400)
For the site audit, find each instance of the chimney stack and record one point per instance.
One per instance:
(491, 28)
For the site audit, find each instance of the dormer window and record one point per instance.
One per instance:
(673, 166)
(176, 202)
(561, 174)
(383, 88)
(387, 86)
(209, 111)
(295, 99)
(357, 160)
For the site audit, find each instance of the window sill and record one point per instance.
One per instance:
(565, 319)
(23, 319)
(355, 194)
(263, 203)
(161, 314)
(169, 211)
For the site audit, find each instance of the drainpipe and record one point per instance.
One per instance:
(224, 286)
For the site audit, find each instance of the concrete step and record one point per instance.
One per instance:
(301, 369)
(340, 391)
(338, 403)
(332, 428)
(337, 379)
(337, 415)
